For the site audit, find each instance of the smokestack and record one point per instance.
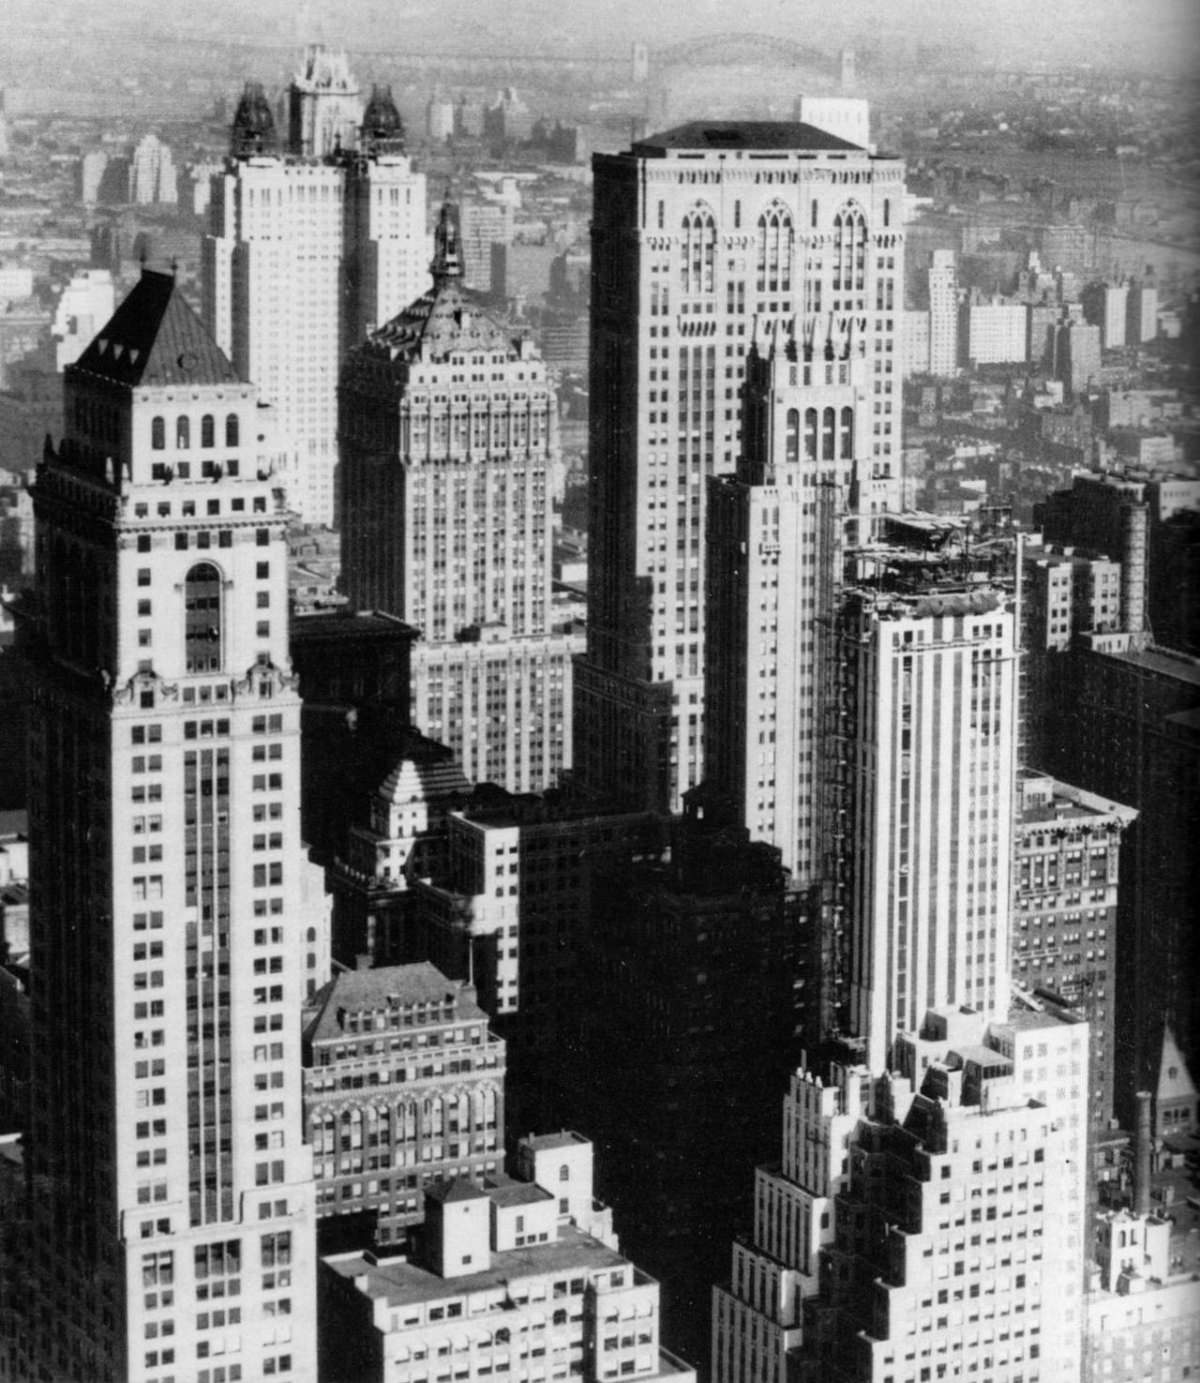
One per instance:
(1143, 1150)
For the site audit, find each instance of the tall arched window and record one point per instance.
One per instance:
(775, 251)
(849, 250)
(847, 438)
(202, 618)
(158, 433)
(208, 431)
(810, 434)
(699, 251)
(183, 433)
(828, 429)
(792, 445)
(231, 430)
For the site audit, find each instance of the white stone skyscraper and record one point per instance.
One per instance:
(943, 314)
(926, 679)
(758, 1318)
(697, 233)
(923, 1223)
(774, 550)
(152, 172)
(176, 922)
(308, 251)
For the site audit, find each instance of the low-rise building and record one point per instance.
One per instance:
(515, 1279)
(1068, 847)
(403, 1088)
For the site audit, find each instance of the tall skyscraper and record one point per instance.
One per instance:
(926, 694)
(758, 1316)
(152, 172)
(697, 232)
(943, 313)
(176, 922)
(923, 1223)
(1106, 305)
(774, 550)
(449, 433)
(957, 1233)
(308, 251)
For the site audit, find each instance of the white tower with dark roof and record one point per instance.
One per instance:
(308, 251)
(449, 433)
(176, 923)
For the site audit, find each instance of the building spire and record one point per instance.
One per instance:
(447, 249)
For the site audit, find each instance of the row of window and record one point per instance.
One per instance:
(183, 431)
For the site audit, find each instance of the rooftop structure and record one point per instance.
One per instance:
(507, 1271)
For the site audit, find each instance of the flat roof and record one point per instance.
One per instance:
(1178, 665)
(777, 136)
(518, 1193)
(403, 1283)
(564, 1138)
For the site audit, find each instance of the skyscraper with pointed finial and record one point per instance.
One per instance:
(449, 432)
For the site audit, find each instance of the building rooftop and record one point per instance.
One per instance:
(1044, 799)
(155, 338)
(390, 987)
(1181, 666)
(765, 135)
(460, 1189)
(1028, 1020)
(543, 1142)
(518, 1193)
(446, 319)
(399, 1282)
(345, 624)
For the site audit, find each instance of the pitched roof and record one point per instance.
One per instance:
(1174, 1079)
(446, 319)
(781, 135)
(154, 337)
(460, 1189)
(389, 987)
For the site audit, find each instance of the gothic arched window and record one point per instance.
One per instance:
(775, 251)
(231, 430)
(849, 250)
(208, 431)
(183, 433)
(699, 251)
(158, 433)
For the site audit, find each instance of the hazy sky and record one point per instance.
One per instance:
(1147, 33)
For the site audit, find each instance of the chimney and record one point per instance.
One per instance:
(1143, 1150)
